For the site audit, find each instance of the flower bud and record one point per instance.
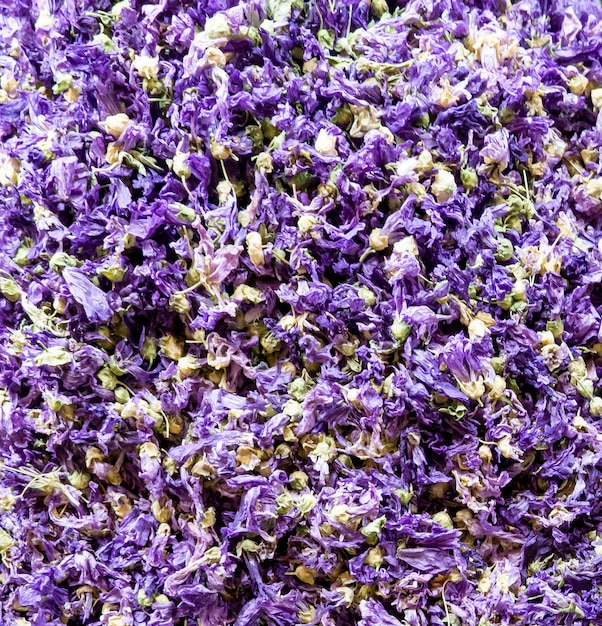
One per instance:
(378, 241)
(326, 143)
(595, 406)
(443, 186)
(596, 96)
(147, 67)
(114, 125)
(255, 248)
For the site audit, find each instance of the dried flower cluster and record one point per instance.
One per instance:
(300, 312)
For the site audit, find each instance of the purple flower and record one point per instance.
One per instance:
(88, 295)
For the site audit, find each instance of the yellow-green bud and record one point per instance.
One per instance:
(443, 519)
(122, 395)
(595, 406)
(284, 503)
(180, 303)
(149, 350)
(307, 503)
(304, 574)
(506, 303)
(143, 599)
(375, 557)
(9, 289)
(298, 480)
(378, 241)
(379, 7)
(114, 272)
(367, 295)
(79, 480)
(469, 178)
(179, 166)
(401, 330)
(505, 250)
(556, 327)
(372, 530)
